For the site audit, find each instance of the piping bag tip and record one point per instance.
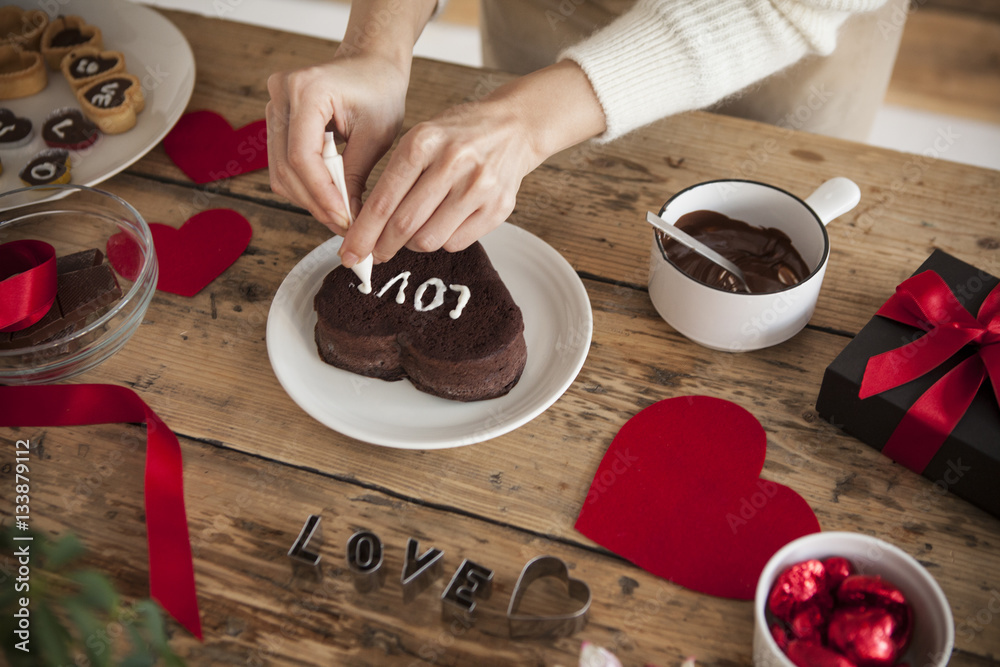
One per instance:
(363, 270)
(335, 165)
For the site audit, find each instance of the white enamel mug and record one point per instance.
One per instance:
(733, 322)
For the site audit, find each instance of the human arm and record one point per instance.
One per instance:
(455, 177)
(663, 57)
(363, 89)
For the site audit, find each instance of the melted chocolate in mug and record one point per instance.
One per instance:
(765, 255)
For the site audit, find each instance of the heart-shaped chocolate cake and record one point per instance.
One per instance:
(443, 320)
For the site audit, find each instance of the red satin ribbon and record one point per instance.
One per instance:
(925, 301)
(171, 569)
(27, 283)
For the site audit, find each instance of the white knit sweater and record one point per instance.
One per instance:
(667, 56)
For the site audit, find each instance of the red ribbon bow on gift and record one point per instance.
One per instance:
(27, 283)
(925, 301)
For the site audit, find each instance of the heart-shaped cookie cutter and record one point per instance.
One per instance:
(547, 626)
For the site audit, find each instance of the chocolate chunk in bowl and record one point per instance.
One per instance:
(86, 289)
(96, 310)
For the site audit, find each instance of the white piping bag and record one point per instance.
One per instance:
(334, 162)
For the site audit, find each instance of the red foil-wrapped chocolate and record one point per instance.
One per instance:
(805, 653)
(875, 592)
(863, 589)
(830, 617)
(837, 569)
(780, 636)
(865, 635)
(798, 586)
(810, 623)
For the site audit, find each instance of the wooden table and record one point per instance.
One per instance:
(256, 465)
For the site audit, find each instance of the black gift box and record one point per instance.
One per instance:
(968, 462)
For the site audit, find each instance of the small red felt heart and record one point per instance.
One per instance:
(207, 148)
(678, 493)
(190, 257)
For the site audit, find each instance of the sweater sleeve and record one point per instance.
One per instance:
(663, 57)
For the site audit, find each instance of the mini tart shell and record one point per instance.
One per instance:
(22, 73)
(77, 53)
(22, 27)
(63, 158)
(114, 120)
(54, 54)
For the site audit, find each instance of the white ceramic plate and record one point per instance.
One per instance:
(155, 52)
(558, 324)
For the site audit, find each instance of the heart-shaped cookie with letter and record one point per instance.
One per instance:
(15, 131)
(112, 101)
(86, 64)
(679, 494)
(443, 320)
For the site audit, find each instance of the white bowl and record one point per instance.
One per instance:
(934, 627)
(732, 322)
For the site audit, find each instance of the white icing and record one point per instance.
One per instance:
(60, 126)
(44, 171)
(463, 298)
(87, 67)
(106, 97)
(439, 290)
(401, 294)
(403, 278)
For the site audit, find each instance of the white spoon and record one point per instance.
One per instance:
(694, 244)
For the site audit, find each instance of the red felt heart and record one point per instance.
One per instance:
(207, 148)
(678, 493)
(190, 257)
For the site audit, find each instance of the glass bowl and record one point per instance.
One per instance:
(73, 218)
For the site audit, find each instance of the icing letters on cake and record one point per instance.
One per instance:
(464, 293)
(467, 350)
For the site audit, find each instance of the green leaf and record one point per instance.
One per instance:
(141, 655)
(152, 621)
(8, 597)
(96, 590)
(91, 631)
(66, 550)
(49, 636)
(138, 660)
(155, 626)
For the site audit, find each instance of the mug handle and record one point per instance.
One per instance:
(834, 198)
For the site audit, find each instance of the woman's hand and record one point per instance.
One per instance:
(450, 180)
(364, 95)
(363, 90)
(455, 177)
